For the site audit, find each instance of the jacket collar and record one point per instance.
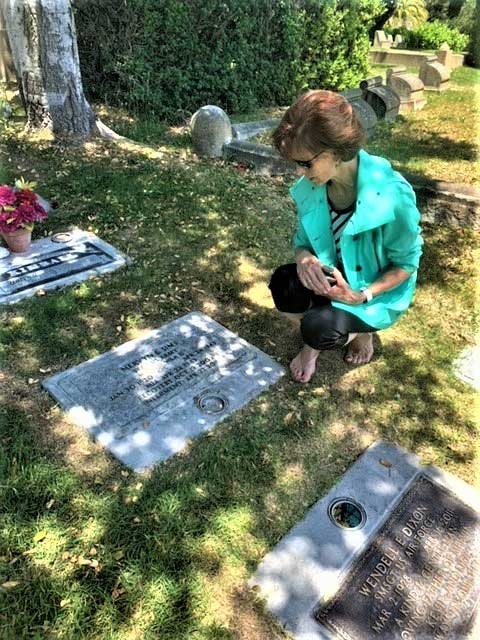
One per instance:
(374, 204)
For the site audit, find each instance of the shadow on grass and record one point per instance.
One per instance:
(173, 546)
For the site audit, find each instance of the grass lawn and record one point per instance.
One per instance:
(88, 550)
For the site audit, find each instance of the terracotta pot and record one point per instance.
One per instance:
(18, 241)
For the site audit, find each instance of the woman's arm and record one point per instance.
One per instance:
(309, 270)
(388, 280)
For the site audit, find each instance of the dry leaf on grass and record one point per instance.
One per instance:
(41, 535)
(10, 584)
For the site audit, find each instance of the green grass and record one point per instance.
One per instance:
(89, 552)
(441, 141)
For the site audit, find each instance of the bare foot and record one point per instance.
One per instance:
(303, 365)
(360, 349)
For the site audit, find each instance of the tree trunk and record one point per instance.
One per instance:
(44, 49)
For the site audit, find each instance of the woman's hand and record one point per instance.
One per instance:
(309, 270)
(342, 291)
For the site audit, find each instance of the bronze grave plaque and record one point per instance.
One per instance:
(419, 577)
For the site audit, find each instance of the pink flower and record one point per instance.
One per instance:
(7, 195)
(26, 209)
(25, 195)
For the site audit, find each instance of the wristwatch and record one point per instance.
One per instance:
(368, 294)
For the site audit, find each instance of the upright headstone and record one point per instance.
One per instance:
(392, 552)
(434, 75)
(211, 129)
(398, 41)
(381, 41)
(445, 56)
(408, 87)
(147, 398)
(384, 101)
(363, 110)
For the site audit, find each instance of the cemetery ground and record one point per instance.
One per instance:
(91, 550)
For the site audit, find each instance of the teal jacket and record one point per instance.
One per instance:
(383, 232)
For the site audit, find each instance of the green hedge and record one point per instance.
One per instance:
(173, 56)
(431, 35)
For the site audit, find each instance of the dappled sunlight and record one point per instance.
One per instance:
(290, 476)
(255, 280)
(175, 546)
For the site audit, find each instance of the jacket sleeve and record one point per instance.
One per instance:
(300, 238)
(401, 237)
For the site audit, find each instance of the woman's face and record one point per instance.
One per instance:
(320, 169)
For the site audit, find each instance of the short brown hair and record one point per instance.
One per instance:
(320, 121)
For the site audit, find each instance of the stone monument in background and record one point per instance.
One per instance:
(434, 75)
(211, 130)
(408, 87)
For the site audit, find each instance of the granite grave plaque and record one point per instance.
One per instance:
(408, 568)
(146, 398)
(419, 578)
(56, 261)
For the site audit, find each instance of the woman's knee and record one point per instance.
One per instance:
(320, 331)
(288, 293)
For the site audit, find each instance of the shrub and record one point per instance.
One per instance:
(432, 35)
(172, 57)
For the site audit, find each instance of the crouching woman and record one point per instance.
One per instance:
(357, 243)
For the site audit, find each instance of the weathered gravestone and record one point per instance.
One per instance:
(398, 41)
(408, 87)
(384, 101)
(211, 129)
(434, 75)
(392, 552)
(247, 130)
(145, 399)
(445, 56)
(381, 41)
(467, 367)
(263, 157)
(362, 109)
(56, 261)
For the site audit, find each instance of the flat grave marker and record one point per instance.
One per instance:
(145, 399)
(467, 367)
(392, 552)
(56, 261)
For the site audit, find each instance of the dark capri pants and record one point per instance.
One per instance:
(322, 326)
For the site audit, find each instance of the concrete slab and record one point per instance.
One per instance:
(147, 398)
(303, 577)
(467, 367)
(56, 261)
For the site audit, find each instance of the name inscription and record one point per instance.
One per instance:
(53, 265)
(419, 578)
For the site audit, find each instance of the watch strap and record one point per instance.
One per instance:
(368, 294)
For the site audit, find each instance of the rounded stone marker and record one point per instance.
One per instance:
(211, 129)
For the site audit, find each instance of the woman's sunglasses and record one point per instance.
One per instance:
(307, 164)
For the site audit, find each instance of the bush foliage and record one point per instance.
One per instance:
(431, 35)
(172, 57)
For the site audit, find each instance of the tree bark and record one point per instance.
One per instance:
(43, 42)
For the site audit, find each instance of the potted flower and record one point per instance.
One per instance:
(19, 210)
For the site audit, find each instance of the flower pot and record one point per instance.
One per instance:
(18, 241)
